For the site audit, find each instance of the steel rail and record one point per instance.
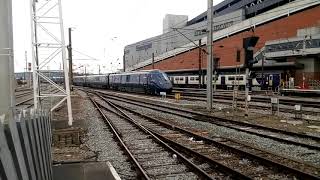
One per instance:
(188, 162)
(219, 121)
(223, 100)
(24, 101)
(224, 168)
(23, 94)
(29, 99)
(117, 134)
(255, 98)
(300, 173)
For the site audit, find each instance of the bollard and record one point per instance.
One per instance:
(298, 111)
(274, 106)
(177, 96)
(163, 95)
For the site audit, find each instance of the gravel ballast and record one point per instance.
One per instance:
(100, 139)
(292, 151)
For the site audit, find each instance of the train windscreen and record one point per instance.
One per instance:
(165, 76)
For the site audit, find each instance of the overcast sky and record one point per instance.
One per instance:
(103, 27)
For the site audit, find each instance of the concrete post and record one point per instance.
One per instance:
(7, 87)
(200, 63)
(209, 65)
(247, 93)
(152, 60)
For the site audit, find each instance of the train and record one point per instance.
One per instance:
(225, 81)
(148, 81)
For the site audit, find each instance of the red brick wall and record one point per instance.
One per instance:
(307, 75)
(226, 48)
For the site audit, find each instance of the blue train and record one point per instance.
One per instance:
(149, 81)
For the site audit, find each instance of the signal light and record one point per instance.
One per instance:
(248, 45)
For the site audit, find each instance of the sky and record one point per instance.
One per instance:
(101, 28)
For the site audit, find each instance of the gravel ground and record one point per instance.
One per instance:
(72, 154)
(292, 151)
(100, 139)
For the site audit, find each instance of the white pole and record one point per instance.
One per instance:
(65, 67)
(33, 53)
(7, 79)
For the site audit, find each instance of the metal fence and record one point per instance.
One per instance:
(25, 146)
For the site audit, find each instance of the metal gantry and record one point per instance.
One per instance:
(48, 49)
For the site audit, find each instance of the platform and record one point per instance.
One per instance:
(85, 171)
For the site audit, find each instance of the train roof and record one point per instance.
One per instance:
(97, 75)
(138, 72)
(124, 73)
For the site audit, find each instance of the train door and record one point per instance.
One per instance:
(276, 81)
(270, 80)
(223, 82)
(144, 81)
(186, 80)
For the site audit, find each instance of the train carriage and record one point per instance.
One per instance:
(151, 81)
(225, 81)
(98, 81)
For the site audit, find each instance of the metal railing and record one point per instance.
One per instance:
(25, 146)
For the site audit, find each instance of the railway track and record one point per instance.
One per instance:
(226, 154)
(303, 140)
(20, 95)
(241, 104)
(153, 158)
(26, 100)
(23, 102)
(229, 96)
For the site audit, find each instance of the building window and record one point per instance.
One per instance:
(238, 56)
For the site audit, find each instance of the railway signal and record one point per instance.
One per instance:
(248, 44)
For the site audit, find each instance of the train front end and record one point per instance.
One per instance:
(162, 82)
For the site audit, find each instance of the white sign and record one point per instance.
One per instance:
(297, 107)
(249, 98)
(274, 100)
(163, 93)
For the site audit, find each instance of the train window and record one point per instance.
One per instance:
(181, 78)
(240, 78)
(123, 78)
(165, 76)
(143, 78)
(231, 78)
(197, 79)
(127, 78)
(176, 78)
(191, 78)
(134, 78)
(270, 77)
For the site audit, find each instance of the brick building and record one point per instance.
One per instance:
(289, 43)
